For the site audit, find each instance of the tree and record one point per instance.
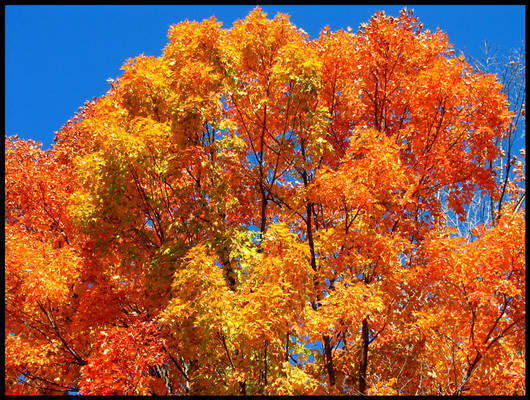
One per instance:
(255, 212)
(509, 66)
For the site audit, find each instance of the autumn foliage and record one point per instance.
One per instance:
(254, 212)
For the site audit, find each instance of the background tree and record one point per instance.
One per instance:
(510, 68)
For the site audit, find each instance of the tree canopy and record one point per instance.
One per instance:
(255, 212)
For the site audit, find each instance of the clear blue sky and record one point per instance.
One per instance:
(57, 57)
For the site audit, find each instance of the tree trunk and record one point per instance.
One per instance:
(329, 360)
(364, 357)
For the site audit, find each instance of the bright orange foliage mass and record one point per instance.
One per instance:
(255, 212)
